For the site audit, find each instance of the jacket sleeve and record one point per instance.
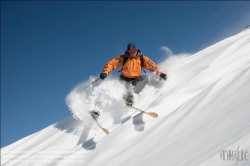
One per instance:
(150, 65)
(113, 64)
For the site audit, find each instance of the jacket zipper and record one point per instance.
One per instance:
(131, 67)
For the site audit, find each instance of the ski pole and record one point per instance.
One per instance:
(95, 81)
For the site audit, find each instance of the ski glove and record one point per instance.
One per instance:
(163, 76)
(103, 76)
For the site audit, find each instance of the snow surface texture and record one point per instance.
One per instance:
(203, 109)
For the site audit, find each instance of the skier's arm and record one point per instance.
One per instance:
(113, 64)
(151, 66)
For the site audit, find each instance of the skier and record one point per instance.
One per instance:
(132, 62)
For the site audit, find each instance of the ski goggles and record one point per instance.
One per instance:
(132, 51)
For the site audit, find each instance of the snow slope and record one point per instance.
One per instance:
(203, 109)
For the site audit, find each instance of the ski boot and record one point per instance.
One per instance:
(130, 103)
(129, 100)
(95, 114)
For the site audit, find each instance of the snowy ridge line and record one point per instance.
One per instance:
(246, 29)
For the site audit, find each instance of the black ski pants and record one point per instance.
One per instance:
(137, 83)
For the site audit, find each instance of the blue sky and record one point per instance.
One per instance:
(47, 48)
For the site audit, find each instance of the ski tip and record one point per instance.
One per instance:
(153, 114)
(105, 130)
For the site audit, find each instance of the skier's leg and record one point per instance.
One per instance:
(130, 97)
(129, 88)
(140, 83)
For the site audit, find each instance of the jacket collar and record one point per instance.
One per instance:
(126, 54)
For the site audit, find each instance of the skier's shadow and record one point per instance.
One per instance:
(86, 144)
(138, 122)
(89, 145)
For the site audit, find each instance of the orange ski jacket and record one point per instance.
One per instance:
(132, 67)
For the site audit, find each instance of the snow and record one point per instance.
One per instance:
(203, 109)
(247, 28)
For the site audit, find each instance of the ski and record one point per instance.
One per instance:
(152, 114)
(103, 129)
(95, 119)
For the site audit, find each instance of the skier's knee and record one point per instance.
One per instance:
(145, 78)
